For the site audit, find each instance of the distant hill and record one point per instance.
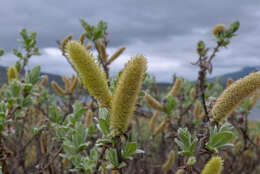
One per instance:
(236, 75)
(3, 76)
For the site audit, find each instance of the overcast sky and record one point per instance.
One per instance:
(165, 31)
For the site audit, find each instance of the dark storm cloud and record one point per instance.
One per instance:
(166, 30)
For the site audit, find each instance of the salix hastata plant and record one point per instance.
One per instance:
(94, 123)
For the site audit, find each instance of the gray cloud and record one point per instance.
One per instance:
(164, 31)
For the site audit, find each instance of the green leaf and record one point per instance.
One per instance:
(112, 156)
(130, 149)
(221, 139)
(104, 126)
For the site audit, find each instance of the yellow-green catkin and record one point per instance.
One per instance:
(213, 166)
(234, 94)
(229, 82)
(160, 127)
(152, 122)
(218, 28)
(82, 38)
(170, 161)
(197, 109)
(88, 118)
(102, 51)
(152, 102)
(66, 82)
(253, 99)
(12, 73)
(126, 94)
(58, 89)
(93, 78)
(44, 80)
(116, 54)
(192, 93)
(180, 171)
(64, 42)
(176, 89)
(73, 84)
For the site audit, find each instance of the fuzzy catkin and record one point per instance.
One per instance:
(197, 109)
(58, 89)
(44, 80)
(213, 166)
(180, 171)
(116, 54)
(218, 28)
(152, 102)
(160, 127)
(170, 161)
(64, 42)
(234, 94)
(253, 99)
(192, 93)
(88, 118)
(176, 89)
(82, 38)
(12, 73)
(126, 94)
(153, 121)
(229, 82)
(93, 79)
(102, 51)
(73, 84)
(66, 82)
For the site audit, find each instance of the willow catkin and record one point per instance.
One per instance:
(253, 99)
(126, 94)
(152, 123)
(73, 84)
(170, 161)
(176, 89)
(218, 28)
(152, 102)
(213, 166)
(102, 51)
(64, 42)
(88, 118)
(180, 171)
(229, 82)
(232, 96)
(116, 54)
(82, 38)
(93, 78)
(66, 82)
(192, 93)
(44, 80)
(58, 89)
(160, 127)
(12, 73)
(197, 109)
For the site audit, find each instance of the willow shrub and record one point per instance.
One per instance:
(94, 123)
